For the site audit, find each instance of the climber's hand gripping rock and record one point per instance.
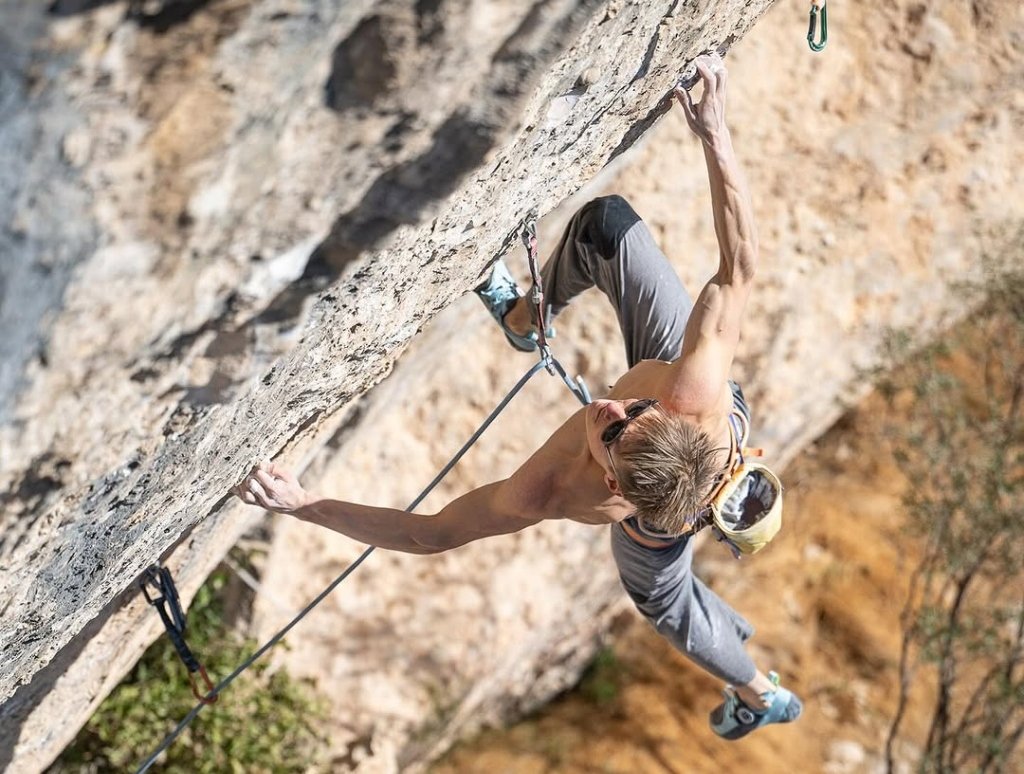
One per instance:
(707, 117)
(272, 487)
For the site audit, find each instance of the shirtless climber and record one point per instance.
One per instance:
(644, 458)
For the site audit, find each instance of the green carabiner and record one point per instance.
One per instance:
(820, 45)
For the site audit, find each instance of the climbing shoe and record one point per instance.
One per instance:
(733, 719)
(499, 294)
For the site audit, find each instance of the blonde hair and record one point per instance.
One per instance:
(667, 471)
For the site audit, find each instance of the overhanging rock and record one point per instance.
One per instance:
(202, 199)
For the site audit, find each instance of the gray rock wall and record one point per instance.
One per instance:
(245, 226)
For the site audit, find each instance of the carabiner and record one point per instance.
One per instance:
(815, 7)
(209, 697)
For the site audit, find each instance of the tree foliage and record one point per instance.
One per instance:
(961, 447)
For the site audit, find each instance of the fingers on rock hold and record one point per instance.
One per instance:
(688, 108)
(244, 495)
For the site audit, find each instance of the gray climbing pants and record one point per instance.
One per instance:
(606, 245)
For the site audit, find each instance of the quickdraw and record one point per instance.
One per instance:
(174, 621)
(817, 5)
(529, 236)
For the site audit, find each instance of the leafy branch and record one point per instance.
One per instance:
(962, 451)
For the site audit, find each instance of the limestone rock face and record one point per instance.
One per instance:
(221, 223)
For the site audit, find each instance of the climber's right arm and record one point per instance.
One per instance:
(493, 509)
(697, 378)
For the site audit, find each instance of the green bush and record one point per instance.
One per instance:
(263, 721)
(602, 680)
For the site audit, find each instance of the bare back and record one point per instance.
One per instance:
(561, 480)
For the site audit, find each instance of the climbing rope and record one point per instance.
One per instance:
(547, 361)
(816, 6)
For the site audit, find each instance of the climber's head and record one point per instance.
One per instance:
(663, 465)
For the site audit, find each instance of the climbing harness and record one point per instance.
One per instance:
(547, 362)
(174, 621)
(816, 6)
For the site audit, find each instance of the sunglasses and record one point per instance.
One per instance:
(611, 433)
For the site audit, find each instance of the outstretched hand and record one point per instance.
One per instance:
(272, 487)
(707, 117)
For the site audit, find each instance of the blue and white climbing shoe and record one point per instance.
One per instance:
(499, 294)
(734, 719)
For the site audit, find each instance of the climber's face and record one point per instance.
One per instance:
(608, 422)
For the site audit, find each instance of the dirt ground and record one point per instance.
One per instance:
(825, 599)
